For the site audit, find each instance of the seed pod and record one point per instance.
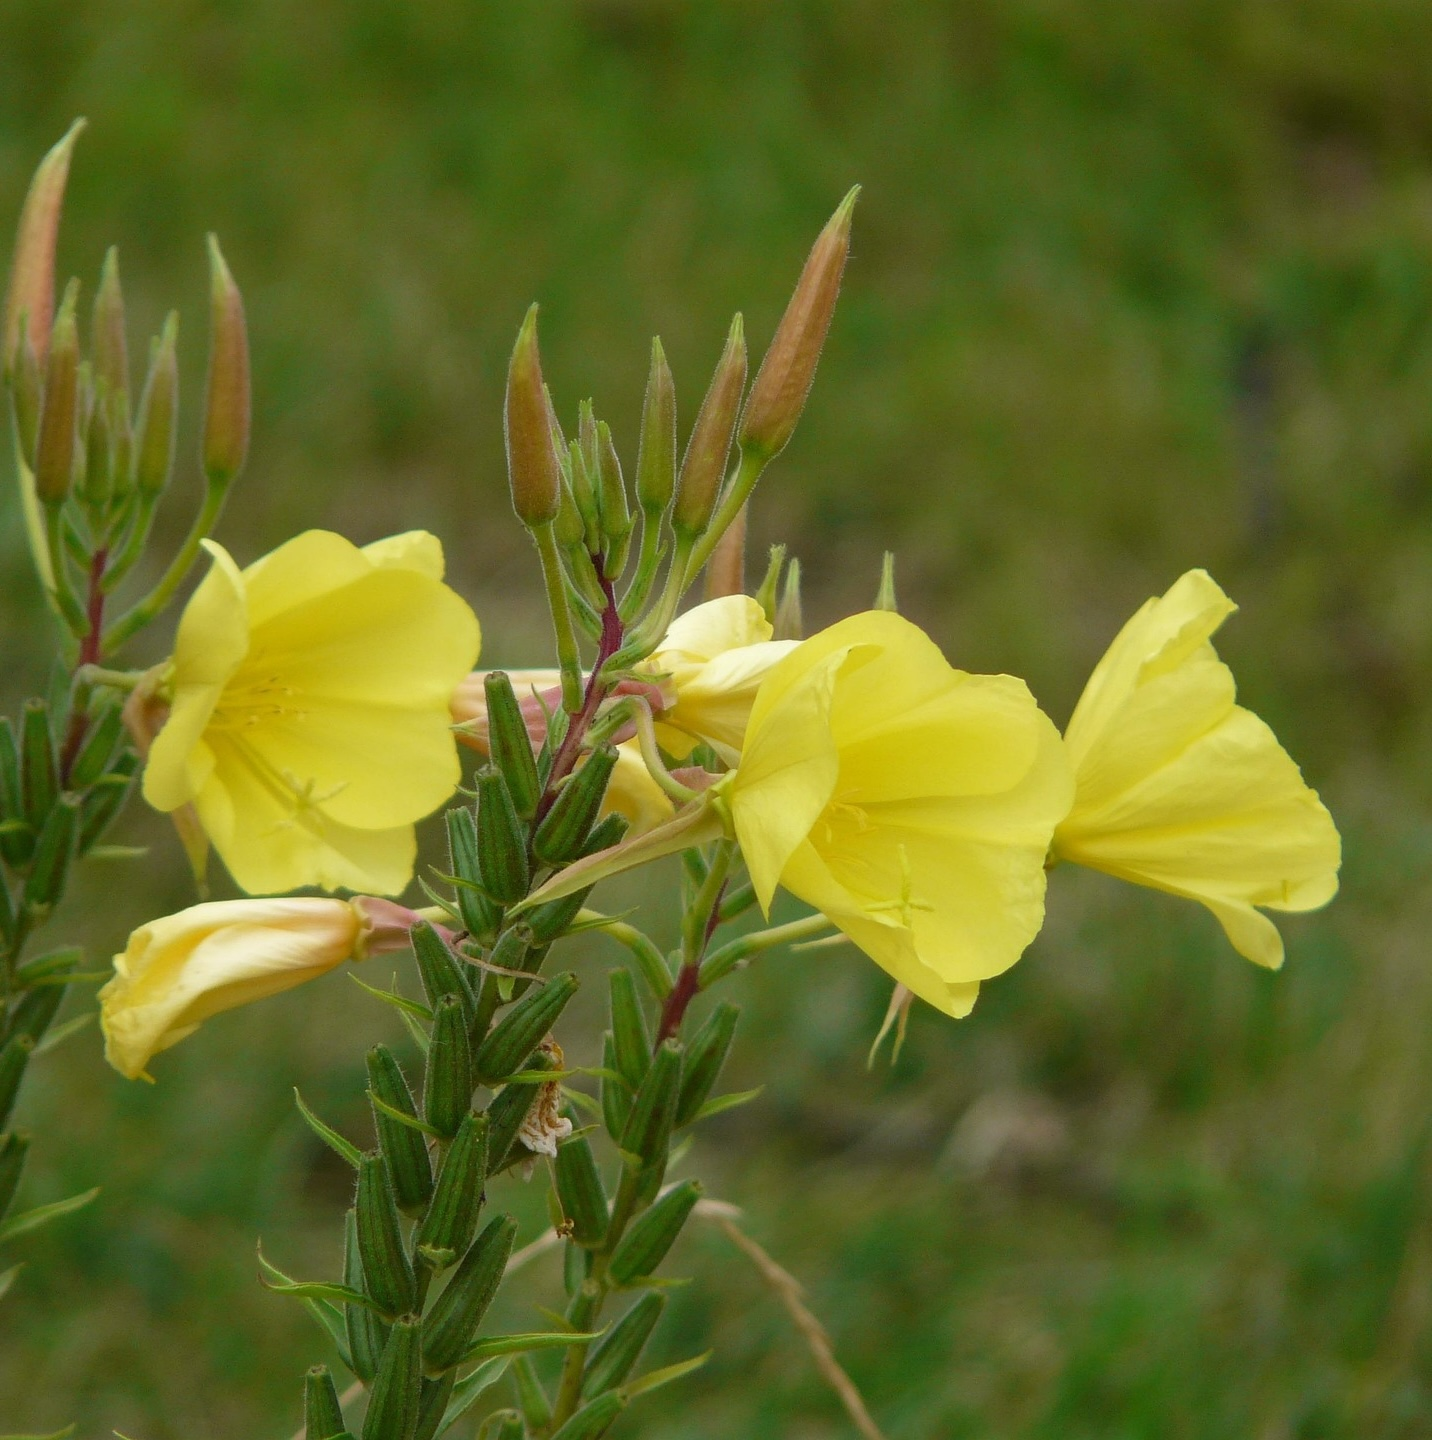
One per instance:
(402, 1145)
(393, 1405)
(594, 1419)
(653, 1233)
(366, 1333)
(39, 771)
(616, 1097)
(443, 973)
(608, 831)
(447, 1086)
(579, 1188)
(510, 745)
(532, 470)
(503, 1425)
(17, 840)
(550, 920)
(506, 1112)
(513, 951)
(99, 744)
(564, 828)
(14, 1147)
(521, 1030)
(387, 1271)
(648, 1127)
(480, 915)
(36, 1010)
(59, 417)
(433, 1397)
(705, 1056)
(501, 840)
(617, 1352)
(227, 405)
(158, 414)
(703, 467)
(54, 850)
(632, 1044)
(14, 1056)
(453, 1320)
(451, 1219)
(322, 1414)
(105, 799)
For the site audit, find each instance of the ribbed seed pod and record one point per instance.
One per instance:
(387, 1271)
(38, 769)
(632, 1043)
(14, 1147)
(509, 744)
(608, 831)
(579, 1188)
(506, 1113)
(522, 1029)
(501, 840)
(705, 1055)
(653, 1233)
(480, 915)
(105, 799)
(550, 920)
(15, 843)
(393, 1405)
(98, 746)
(456, 1314)
(403, 1146)
(54, 852)
(367, 1334)
(616, 1098)
(433, 1397)
(14, 1056)
(565, 826)
(447, 1088)
(451, 1219)
(648, 1127)
(322, 1414)
(594, 1419)
(617, 1352)
(443, 973)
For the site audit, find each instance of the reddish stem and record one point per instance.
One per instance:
(688, 981)
(89, 655)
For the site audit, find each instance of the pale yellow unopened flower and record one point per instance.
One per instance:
(910, 802)
(1180, 788)
(177, 971)
(310, 723)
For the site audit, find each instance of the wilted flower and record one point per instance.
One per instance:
(309, 722)
(908, 801)
(1180, 788)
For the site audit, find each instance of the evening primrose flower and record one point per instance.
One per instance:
(309, 722)
(179, 970)
(1179, 788)
(910, 802)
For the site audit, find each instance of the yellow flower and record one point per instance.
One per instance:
(910, 802)
(1180, 788)
(309, 724)
(179, 970)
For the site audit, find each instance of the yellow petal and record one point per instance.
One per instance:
(413, 550)
(710, 629)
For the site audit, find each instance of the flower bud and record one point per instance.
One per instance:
(322, 1414)
(652, 1234)
(227, 407)
(703, 467)
(54, 851)
(784, 379)
(38, 767)
(393, 1404)
(27, 390)
(451, 1218)
(510, 745)
(656, 452)
(158, 413)
(593, 1420)
(501, 839)
(520, 1031)
(648, 1128)
(479, 915)
(387, 1272)
(97, 478)
(506, 1113)
(402, 1145)
(108, 346)
(532, 468)
(453, 1320)
(14, 1147)
(789, 623)
(616, 1093)
(705, 1055)
(616, 1353)
(632, 1044)
(616, 517)
(579, 1189)
(32, 276)
(565, 826)
(366, 1333)
(59, 415)
(447, 1087)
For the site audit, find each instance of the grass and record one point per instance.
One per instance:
(1134, 288)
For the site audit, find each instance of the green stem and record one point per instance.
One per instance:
(569, 657)
(651, 754)
(721, 962)
(647, 564)
(132, 547)
(738, 490)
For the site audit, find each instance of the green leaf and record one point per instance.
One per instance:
(28, 1220)
(274, 1279)
(330, 1137)
(654, 1379)
(420, 1036)
(8, 1279)
(330, 1319)
(583, 1101)
(61, 1033)
(399, 1002)
(470, 1389)
(521, 1344)
(717, 1103)
(403, 1118)
(118, 852)
(53, 1435)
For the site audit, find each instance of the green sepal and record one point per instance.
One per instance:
(653, 1233)
(448, 1083)
(580, 1190)
(366, 1331)
(14, 1147)
(17, 838)
(501, 839)
(14, 1056)
(404, 1147)
(456, 1314)
(451, 1218)
(509, 744)
(39, 769)
(563, 830)
(631, 1042)
(99, 745)
(54, 852)
(322, 1414)
(522, 1029)
(478, 913)
(393, 1405)
(705, 1055)
(615, 1356)
(387, 1271)
(616, 1093)
(594, 1419)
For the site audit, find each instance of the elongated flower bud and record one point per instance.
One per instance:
(451, 1219)
(705, 1055)
(97, 481)
(108, 347)
(453, 1320)
(510, 745)
(616, 1354)
(32, 274)
(501, 840)
(703, 468)
(632, 1044)
(532, 468)
(653, 1233)
(227, 408)
(565, 826)
(54, 851)
(393, 1405)
(656, 453)
(579, 1188)
(402, 1145)
(387, 1272)
(158, 413)
(28, 390)
(522, 1029)
(59, 416)
(366, 1333)
(648, 1128)
(616, 517)
(322, 1414)
(784, 379)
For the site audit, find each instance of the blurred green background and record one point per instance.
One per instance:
(1134, 288)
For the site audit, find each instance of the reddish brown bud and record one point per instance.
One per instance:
(32, 273)
(533, 471)
(785, 376)
(55, 447)
(703, 467)
(227, 404)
